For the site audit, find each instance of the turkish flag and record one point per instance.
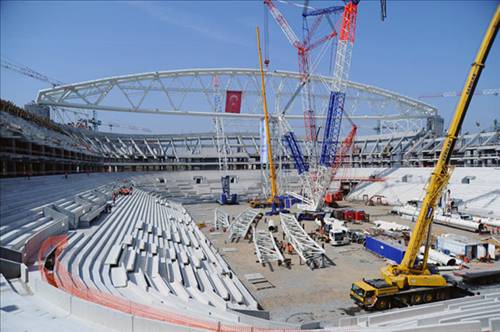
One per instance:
(233, 101)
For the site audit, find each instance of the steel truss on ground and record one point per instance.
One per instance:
(307, 248)
(265, 247)
(221, 219)
(240, 226)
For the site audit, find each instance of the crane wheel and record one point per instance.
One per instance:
(403, 301)
(417, 299)
(381, 304)
(428, 298)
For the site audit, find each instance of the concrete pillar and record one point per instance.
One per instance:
(4, 168)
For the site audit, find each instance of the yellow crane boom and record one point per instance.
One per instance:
(272, 171)
(406, 283)
(441, 174)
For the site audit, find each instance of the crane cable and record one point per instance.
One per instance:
(266, 37)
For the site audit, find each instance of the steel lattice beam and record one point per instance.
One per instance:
(306, 247)
(240, 226)
(265, 247)
(138, 93)
(221, 219)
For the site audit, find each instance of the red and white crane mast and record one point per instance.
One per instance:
(328, 164)
(304, 48)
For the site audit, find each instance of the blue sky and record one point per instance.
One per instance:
(422, 47)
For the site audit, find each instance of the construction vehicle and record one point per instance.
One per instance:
(307, 215)
(337, 231)
(226, 198)
(258, 203)
(357, 235)
(333, 196)
(273, 200)
(409, 282)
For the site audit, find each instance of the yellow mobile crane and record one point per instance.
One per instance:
(409, 283)
(273, 199)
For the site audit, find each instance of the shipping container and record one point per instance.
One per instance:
(391, 251)
(338, 213)
(331, 197)
(457, 245)
(349, 214)
(359, 215)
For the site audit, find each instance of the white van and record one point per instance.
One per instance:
(338, 233)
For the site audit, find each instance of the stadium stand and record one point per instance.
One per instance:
(405, 184)
(148, 258)
(189, 187)
(474, 313)
(30, 145)
(37, 146)
(134, 244)
(35, 209)
(145, 265)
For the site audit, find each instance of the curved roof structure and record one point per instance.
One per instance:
(191, 92)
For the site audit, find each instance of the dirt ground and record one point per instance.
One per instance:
(299, 293)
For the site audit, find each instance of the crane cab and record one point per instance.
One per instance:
(339, 236)
(371, 294)
(377, 294)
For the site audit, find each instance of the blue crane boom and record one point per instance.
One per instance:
(298, 157)
(323, 11)
(332, 128)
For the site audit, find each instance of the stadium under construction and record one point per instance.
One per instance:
(285, 214)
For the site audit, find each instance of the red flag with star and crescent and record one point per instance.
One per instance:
(233, 101)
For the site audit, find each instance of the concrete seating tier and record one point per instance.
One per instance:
(473, 313)
(149, 250)
(479, 196)
(184, 188)
(22, 230)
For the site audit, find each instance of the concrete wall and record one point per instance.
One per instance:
(58, 226)
(150, 325)
(56, 296)
(98, 314)
(453, 327)
(104, 316)
(10, 269)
